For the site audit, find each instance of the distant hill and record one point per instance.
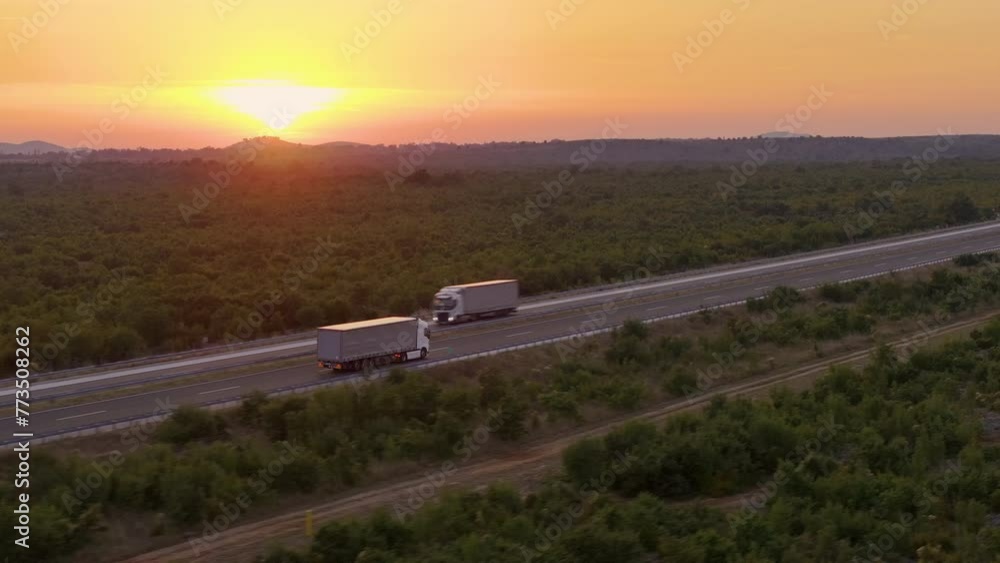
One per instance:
(782, 135)
(633, 153)
(264, 143)
(333, 144)
(30, 147)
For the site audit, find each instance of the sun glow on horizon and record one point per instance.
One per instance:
(180, 74)
(276, 104)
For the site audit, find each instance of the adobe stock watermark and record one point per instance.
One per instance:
(913, 170)
(877, 550)
(791, 123)
(86, 310)
(455, 115)
(32, 25)
(372, 368)
(562, 12)
(960, 298)
(749, 333)
(292, 278)
(548, 534)
(364, 35)
(599, 317)
(433, 481)
(246, 153)
(231, 511)
(131, 438)
(122, 107)
(754, 502)
(901, 14)
(582, 159)
(224, 7)
(700, 42)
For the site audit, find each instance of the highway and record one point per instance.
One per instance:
(557, 316)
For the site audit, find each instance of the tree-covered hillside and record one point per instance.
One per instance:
(120, 260)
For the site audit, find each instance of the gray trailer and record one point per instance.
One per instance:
(352, 346)
(471, 301)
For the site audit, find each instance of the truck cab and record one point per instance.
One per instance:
(448, 305)
(404, 349)
(423, 342)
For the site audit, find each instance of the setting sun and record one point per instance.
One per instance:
(276, 104)
(343, 74)
(264, 260)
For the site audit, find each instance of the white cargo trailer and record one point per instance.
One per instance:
(372, 343)
(471, 301)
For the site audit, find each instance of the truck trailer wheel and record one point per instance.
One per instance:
(423, 353)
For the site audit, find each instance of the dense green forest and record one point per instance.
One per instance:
(886, 464)
(120, 259)
(178, 474)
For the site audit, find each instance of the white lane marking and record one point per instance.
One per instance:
(759, 267)
(766, 287)
(847, 271)
(80, 415)
(548, 303)
(712, 298)
(219, 390)
(806, 279)
(518, 334)
(880, 264)
(658, 308)
(941, 253)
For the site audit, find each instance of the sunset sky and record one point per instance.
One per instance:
(191, 73)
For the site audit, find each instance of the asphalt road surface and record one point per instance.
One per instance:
(559, 316)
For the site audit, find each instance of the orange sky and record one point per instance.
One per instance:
(190, 73)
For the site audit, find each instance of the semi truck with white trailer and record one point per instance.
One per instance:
(372, 343)
(457, 303)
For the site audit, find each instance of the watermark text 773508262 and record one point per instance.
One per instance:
(22, 404)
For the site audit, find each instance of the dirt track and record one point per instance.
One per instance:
(526, 467)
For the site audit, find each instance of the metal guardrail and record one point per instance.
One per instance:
(493, 323)
(305, 335)
(127, 422)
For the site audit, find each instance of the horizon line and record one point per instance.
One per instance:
(767, 135)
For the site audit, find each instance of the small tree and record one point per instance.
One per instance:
(189, 423)
(511, 422)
